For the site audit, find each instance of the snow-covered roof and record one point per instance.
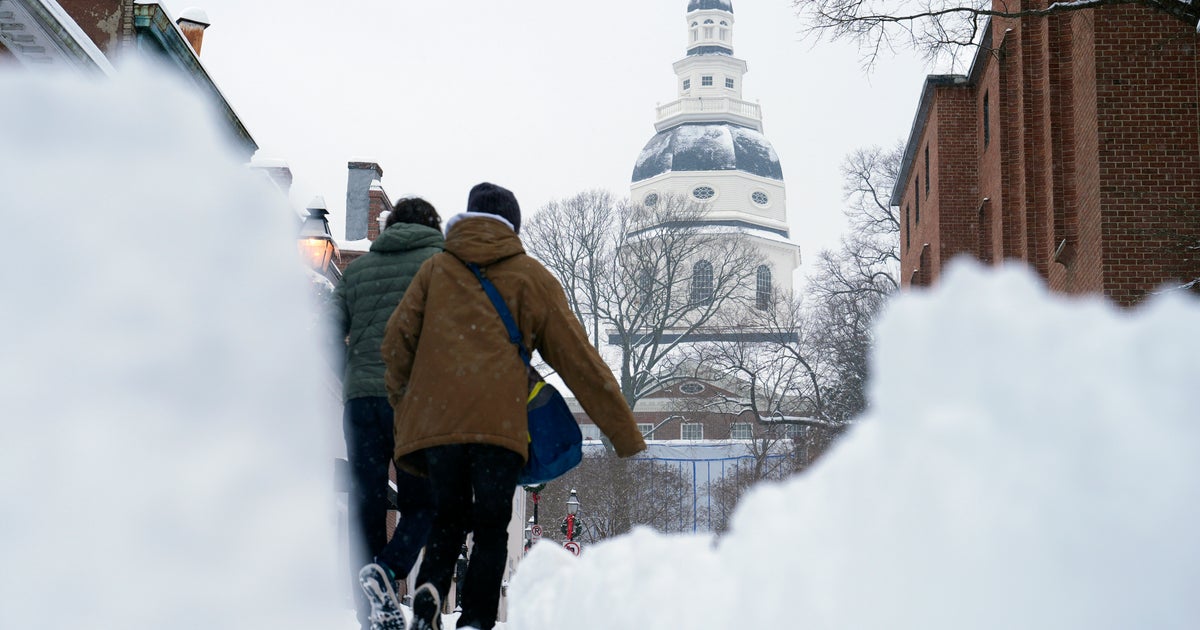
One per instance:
(708, 147)
(719, 5)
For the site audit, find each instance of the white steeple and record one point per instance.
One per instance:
(710, 148)
(709, 78)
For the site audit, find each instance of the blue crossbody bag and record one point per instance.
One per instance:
(555, 441)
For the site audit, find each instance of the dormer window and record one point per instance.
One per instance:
(706, 81)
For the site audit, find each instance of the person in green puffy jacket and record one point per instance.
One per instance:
(370, 289)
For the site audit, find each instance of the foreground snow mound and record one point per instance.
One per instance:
(1029, 463)
(162, 462)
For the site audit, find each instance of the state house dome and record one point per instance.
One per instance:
(719, 5)
(708, 147)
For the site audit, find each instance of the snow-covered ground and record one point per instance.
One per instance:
(1030, 461)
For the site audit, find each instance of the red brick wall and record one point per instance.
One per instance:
(1092, 172)
(950, 212)
(1147, 119)
(1083, 270)
(379, 204)
(989, 245)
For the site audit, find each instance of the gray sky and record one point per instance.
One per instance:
(545, 97)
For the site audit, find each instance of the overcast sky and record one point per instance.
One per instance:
(546, 97)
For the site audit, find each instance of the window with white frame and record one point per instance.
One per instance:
(691, 431)
(702, 282)
(706, 80)
(728, 83)
(762, 292)
(741, 431)
(590, 431)
(687, 84)
(646, 429)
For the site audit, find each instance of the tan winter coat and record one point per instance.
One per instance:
(454, 377)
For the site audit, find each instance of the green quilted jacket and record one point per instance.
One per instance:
(368, 293)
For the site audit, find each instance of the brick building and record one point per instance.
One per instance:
(1072, 144)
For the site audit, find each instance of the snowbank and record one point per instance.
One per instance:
(1029, 463)
(163, 461)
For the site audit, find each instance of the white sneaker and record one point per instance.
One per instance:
(385, 608)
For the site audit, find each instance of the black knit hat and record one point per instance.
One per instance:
(493, 199)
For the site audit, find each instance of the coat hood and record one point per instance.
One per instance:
(405, 236)
(481, 239)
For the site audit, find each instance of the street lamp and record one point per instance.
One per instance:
(529, 534)
(316, 241)
(572, 511)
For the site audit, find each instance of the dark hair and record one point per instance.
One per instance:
(414, 210)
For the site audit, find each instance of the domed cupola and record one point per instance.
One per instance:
(709, 147)
(716, 5)
(710, 27)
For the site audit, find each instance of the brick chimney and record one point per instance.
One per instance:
(192, 22)
(380, 205)
(362, 175)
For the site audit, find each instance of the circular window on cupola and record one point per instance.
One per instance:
(704, 192)
(760, 198)
(691, 388)
(651, 199)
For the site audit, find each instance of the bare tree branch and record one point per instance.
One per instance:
(938, 28)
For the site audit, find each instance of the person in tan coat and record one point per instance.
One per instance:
(459, 388)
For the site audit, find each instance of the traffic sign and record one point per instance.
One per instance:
(573, 547)
(535, 531)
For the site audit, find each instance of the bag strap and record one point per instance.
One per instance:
(514, 333)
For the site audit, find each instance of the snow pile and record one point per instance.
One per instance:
(162, 459)
(1030, 463)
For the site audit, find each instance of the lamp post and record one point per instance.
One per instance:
(572, 511)
(315, 240)
(529, 534)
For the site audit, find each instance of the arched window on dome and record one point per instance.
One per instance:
(645, 288)
(724, 30)
(702, 282)
(708, 29)
(695, 31)
(762, 291)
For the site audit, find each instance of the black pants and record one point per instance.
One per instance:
(367, 423)
(473, 487)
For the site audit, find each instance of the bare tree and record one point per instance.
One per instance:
(642, 278)
(872, 244)
(572, 238)
(943, 28)
(615, 496)
(670, 278)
